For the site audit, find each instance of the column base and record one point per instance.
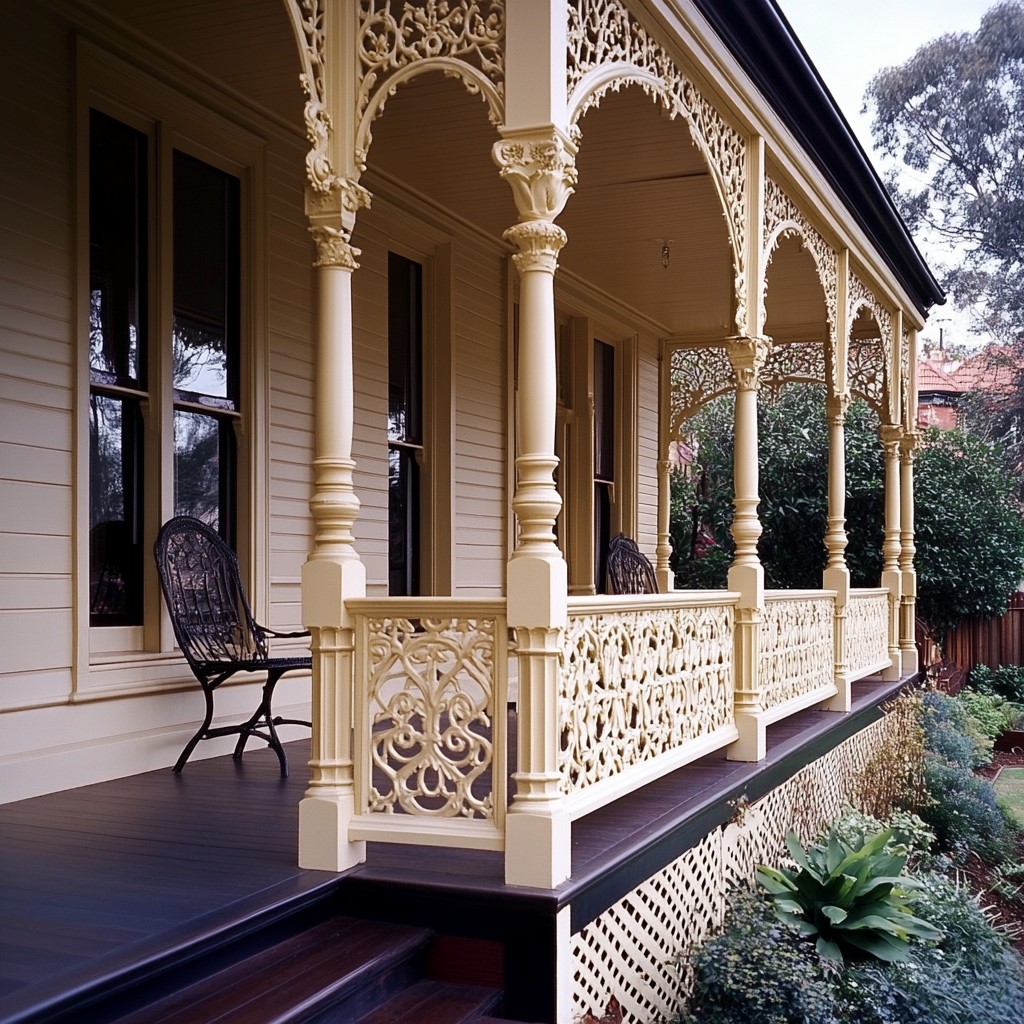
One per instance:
(843, 700)
(538, 848)
(753, 742)
(323, 832)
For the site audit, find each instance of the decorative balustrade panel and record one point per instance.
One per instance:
(796, 650)
(636, 684)
(867, 632)
(433, 679)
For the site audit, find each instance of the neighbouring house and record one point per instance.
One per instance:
(990, 373)
(411, 301)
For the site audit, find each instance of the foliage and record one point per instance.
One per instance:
(1007, 681)
(910, 837)
(953, 114)
(758, 970)
(969, 531)
(849, 897)
(950, 734)
(961, 490)
(992, 714)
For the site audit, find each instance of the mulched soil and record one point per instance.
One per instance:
(1010, 912)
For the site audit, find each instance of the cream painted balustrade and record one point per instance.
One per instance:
(430, 721)
(796, 651)
(646, 686)
(867, 632)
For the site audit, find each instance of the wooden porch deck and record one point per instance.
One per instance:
(109, 883)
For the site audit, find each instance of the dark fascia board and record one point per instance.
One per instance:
(760, 38)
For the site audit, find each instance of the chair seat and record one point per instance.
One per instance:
(257, 665)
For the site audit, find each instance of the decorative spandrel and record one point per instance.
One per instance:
(784, 219)
(464, 39)
(869, 358)
(908, 415)
(697, 376)
(430, 695)
(607, 49)
(797, 363)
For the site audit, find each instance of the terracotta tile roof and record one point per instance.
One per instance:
(994, 368)
(931, 378)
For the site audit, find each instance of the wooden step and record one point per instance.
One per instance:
(343, 965)
(433, 1002)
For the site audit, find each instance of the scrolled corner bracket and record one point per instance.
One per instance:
(333, 248)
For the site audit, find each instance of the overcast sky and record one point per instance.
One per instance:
(849, 42)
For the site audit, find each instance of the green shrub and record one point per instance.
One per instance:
(963, 811)
(758, 970)
(1007, 681)
(950, 734)
(911, 837)
(849, 897)
(990, 711)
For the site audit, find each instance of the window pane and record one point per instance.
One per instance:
(206, 282)
(203, 469)
(403, 523)
(405, 346)
(117, 251)
(115, 551)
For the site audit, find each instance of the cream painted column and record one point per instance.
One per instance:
(663, 552)
(837, 575)
(908, 604)
(333, 572)
(746, 574)
(540, 168)
(891, 435)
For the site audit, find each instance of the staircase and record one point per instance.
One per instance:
(311, 967)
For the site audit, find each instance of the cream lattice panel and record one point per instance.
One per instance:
(631, 950)
(637, 684)
(867, 633)
(428, 682)
(635, 951)
(796, 649)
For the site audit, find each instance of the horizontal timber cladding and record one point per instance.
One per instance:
(631, 950)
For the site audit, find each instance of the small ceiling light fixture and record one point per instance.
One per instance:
(666, 252)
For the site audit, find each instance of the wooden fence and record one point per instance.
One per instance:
(991, 642)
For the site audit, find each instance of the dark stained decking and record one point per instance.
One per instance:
(108, 878)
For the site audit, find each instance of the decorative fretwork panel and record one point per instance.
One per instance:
(697, 376)
(867, 632)
(784, 219)
(636, 950)
(870, 359)
(799, 363)
(607, 48)
(429, 682)
(638, 684)
(795, 650)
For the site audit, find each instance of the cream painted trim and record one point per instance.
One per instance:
(418, 830)
(173, 118)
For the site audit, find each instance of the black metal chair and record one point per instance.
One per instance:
(215, 629)
(629, 571)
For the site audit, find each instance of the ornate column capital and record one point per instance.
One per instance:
(540, 168)
(332, 218)
(890, 434)
(539, 243)
(836, 408)
(748, 355)
(909, 442)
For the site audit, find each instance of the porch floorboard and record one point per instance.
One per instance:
(103, 880)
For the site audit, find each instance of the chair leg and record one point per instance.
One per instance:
(261, 716)
(200, 733)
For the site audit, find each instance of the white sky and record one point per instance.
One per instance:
(848, 42)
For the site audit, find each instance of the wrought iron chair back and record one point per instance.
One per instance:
(215, 628)
(629, 570)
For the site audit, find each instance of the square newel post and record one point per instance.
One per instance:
(663, 568)
(539, 166)
(333, 573)
(892, 577)
(746, 574)
(837, 575)
(908, 605)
